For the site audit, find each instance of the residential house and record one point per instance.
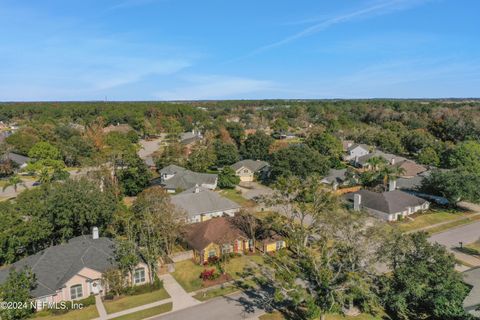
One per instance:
(189, 139)
(356, 151)
(248, 169)
(73, 270)
(347, 144)
(19, 160)
(201, 204)
(410, 168)
(122, 128)
(389, 206)
(214, 238)
(471, 304)
(174, 178)
(335, 178)
(363, 161)
(271, 243)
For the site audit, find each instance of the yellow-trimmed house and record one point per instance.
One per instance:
(73, 270)
(214, 238)
(271, 244)
(248, 169)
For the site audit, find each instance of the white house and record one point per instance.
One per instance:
(356, 151)
(201, 204)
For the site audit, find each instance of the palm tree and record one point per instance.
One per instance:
(389, 173)
(14, 182)
(377, 162)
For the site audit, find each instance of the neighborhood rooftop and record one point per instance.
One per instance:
(198, 200)
(388, 202)
(217, 230)
(57, 264)
(472, 301)
(253, 165)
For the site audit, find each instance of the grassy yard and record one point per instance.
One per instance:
(430, 218)
(279, 316)
(128, 302)
(217, 292)
(474, 246)
(454, 224)
(237, 197)
(147, 313)
(86, 313)
(187, 273)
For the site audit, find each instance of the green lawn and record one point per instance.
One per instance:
(147, 313)
(236, 266)
(453, 224)
(429, 218)
(217, 292)
(474, 246)
(86, 313)
(128, 302)
(187, 274)
(237, 197)
(279, 316)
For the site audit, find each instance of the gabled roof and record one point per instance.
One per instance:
(189, 137)
(387, 202)
(122, 128)
(252, 165)
(411, 168)
(57, 264)
(335, 175)
(198, 200)
(377, 153)
(18, 158)
(216, 230)
(184, 178)
(471, 303)
(365, 147)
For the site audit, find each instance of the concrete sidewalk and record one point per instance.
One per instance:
(180, 298)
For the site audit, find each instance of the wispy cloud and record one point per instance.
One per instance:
(381, 8)
(132, 3)
(216, 87)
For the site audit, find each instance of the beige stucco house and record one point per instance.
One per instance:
(248, 169)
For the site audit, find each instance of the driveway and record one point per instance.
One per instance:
(252, 190)
(451, 238)
(148, 147)
(238, 306)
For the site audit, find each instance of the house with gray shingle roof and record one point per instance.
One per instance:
(18, 159)
(389, 206)
(174, 178)
(471, 304)
(72, 270)
(355, 151)
(363, 161)
(201, 204)
(247, 169)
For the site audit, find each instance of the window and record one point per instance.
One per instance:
(279, 245)
(139, 275)
(226, 249)
(76, 292)
(212, 253)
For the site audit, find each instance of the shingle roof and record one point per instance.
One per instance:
(186, 179)
(18, 158)
(387, 156)
(388, 202)
(123, 128)
(57, 264)
(363, 146)
(471, 303)
(413, 183)
(253, 165)
(411, 168)
(216, 230)
(203, 201)
(335, 175)
(189, 137)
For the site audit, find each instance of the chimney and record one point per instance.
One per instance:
(392, 162)
(95, 233)
(357, 201)
(197, 189)
(392, 184)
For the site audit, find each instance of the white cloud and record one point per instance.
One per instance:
(216, 87)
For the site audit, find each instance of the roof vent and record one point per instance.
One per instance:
(197, 189)
(95, 233)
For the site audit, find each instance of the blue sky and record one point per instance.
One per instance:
(219, 49)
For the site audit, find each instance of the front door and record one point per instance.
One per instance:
(96, 286)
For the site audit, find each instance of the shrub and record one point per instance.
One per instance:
(208, 274)
(212, 260)
(145, 288)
